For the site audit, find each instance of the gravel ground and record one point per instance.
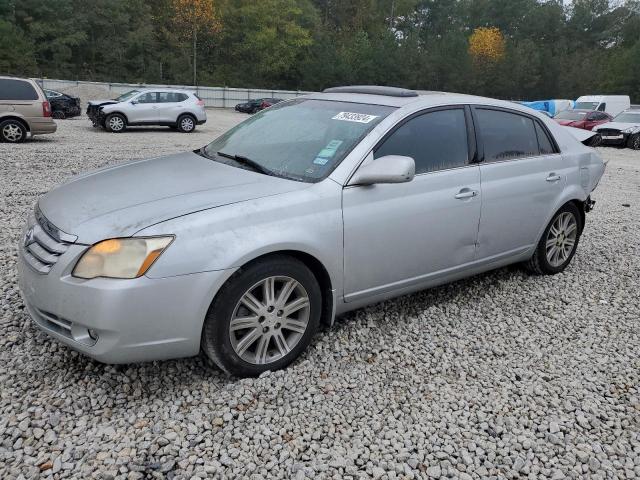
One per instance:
(503, 375)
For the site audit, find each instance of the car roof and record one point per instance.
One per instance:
(393, 97)
(162, 89)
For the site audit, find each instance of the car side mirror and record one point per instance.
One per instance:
(133, 102)
(387, 169)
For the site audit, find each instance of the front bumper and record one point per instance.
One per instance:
(119, 321)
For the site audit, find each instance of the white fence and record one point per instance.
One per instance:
(213, 96)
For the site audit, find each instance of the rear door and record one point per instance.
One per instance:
(402, 235)
(172, 104)
(522, 176)
(20, 97)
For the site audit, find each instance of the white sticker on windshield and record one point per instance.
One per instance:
(354, 117)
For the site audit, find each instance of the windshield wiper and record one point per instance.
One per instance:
(247, 161)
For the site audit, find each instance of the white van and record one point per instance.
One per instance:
(611, 104)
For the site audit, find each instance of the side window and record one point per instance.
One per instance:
(11, 89)
(545, 143)
(602, 107)
(149, 97)
(171, 97)
(506, 135)
(435, 140)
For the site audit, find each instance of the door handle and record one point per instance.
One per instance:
(466, 193)
(553, 177)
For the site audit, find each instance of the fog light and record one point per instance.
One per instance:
(93, 334)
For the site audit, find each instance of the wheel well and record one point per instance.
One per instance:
(583, 216)
(319, 271)
(17, 119)
(187, 114)
(113, 113)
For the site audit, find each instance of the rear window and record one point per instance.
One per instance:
(11, 89)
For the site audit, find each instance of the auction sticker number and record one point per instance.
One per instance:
(354, 117)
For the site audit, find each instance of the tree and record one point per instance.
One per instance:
(196, 16)
(487, 45)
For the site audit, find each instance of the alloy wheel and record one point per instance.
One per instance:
(187, 124)
(269, 320)
(12, 132)
(116, 124)
(561, 239)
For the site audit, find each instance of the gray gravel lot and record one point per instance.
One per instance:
(503, 375)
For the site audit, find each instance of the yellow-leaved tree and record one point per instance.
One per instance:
(193, 17)
(487, 45)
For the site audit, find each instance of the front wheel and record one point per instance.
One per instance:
(634, 142)
(115, 123)
(558, 243)
(263, 318)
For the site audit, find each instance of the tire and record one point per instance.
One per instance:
(12, 131)
(250, 351)
(595, 141)
(634, 142)
(115, 123)
(551, 257)
(59, 115)
(186, 123)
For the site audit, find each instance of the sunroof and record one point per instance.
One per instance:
(373, 90)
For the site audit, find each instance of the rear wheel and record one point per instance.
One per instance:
(13, 131)
(59, 114)
(115, 123)
(595, 141)
(186, 123)
(634, 142)
(263, 318)
(558, 243)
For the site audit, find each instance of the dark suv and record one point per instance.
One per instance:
(63, 105)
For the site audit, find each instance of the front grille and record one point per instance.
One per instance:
(609, 132)
(44, 243)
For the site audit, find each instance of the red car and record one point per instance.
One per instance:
(585, 119)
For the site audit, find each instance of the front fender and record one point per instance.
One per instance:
(227, 237)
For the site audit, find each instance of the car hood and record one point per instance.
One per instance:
(617, 125)
(120, 201)
(569, 122)
(102, 102)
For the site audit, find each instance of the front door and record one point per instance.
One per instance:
(145, 108)
(401, 235)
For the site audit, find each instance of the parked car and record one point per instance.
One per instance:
(624, 129)
(179, 109)
(62, 105)
(611, 104)
(585, 119)
(24, 110)
(257, 104)
(309, 209)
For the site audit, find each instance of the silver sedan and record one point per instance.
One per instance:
(311, 208)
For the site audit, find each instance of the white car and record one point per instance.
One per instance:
(179, 109)
(622, 130)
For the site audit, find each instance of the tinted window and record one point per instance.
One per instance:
(506, 135)
(147, 98)
(435, 141)
(11, 89)
(546, 146)
(171, 97)
(602, 107)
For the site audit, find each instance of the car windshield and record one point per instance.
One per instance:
(628, 117)
(126, 96)
(586, 105)
(569, 115)
(301, 139)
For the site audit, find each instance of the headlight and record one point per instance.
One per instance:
(121, 257)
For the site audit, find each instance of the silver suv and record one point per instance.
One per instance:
(179, 109)
(311, 208)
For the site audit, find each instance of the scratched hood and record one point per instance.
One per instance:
(120, 201)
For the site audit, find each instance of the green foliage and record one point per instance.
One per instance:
(552, 50)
